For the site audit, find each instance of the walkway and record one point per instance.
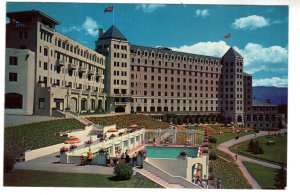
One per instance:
(225, 148)
(51, 163)
(14, 120)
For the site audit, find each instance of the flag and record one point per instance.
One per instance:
(227, 36)
(108, 9)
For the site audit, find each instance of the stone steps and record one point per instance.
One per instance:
(158, 180)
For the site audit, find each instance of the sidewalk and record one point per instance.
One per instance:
(51, 163)
(225, 148)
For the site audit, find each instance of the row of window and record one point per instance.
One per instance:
(172, 57)
(171, 71)
(117, 73)
(159, 63)
(178, 87)
(120, 55)
(123, 64)
(120, 82)
(61, 83)
(64, 44)
(172, 79)
(172, 109)
(172, 94)
(123, 47)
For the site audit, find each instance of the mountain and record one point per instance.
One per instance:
(278, 95)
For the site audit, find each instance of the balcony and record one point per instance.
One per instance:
(47, 28)
(120, 95)
(99, 74)
(60, 63)
(82, 69)
(72, 66)
(121, 103)
(91, 72)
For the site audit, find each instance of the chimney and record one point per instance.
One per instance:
(100, 32)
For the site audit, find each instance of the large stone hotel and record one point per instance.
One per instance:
(48, 73)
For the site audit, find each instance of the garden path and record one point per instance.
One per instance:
(225, 148)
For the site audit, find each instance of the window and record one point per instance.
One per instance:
(45, 51)
(13, 77)
(41, 103)
(13, 60)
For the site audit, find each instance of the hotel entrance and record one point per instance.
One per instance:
(59, 104)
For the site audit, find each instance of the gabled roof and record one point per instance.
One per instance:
(231, 53)
(113, 33)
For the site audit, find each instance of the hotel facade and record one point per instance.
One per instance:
(122, 77)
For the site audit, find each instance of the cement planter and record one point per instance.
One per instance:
(140, 160)
(63, 158)
(101, 159)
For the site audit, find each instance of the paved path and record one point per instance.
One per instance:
(225, 148)
(51, 163)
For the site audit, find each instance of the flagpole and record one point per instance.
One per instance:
(113, 17)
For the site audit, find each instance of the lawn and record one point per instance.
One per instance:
(228, 171)
(229, 136)
(276, 153)
(124, 121)
(20, 138)
(263, 175)
(54, 179)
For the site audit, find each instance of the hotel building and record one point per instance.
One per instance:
(122, 77)
(66, 74)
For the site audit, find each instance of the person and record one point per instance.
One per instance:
(236, 156)
(134, 159)
(219, 183)
(90, 156)
(107, 159)
(82, 160)
(127, 158)
(203, 184)
(254, 134)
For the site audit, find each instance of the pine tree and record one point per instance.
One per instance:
(250, 145)
(280, 178)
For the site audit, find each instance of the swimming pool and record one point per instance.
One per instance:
(170, 152)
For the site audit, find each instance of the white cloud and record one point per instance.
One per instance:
(147, 8)
(250, 22)
(205, 48)
(90, 26)
(258, 58)
(202, 13)
(70, 29)
(274, 81)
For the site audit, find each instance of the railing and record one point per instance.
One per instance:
(72, 66)
(47, 28)
(82, 69)
(90, 71)
(99, 74)
(169, 178)
(60, 63)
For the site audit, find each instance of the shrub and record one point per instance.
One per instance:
(212, 139)
(250, 145)
(211, 177)
(280, 178)
(123, 171)
(8, 163)
(210, 169)
(212, 156)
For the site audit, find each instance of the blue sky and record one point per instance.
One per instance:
(259, 33)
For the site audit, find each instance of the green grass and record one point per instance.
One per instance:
(20, 138)
(124, 121)
(54, 179)
(228, 136)
(263, 175)
(228, 171)
(275, 154)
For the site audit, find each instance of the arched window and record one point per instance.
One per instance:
(13, 101)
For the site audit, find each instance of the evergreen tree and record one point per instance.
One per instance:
(250, 145)
(280, 178)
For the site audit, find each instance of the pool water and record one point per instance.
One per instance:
(170, 152)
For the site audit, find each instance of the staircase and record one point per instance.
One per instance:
(157, 179)
(81, 119)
